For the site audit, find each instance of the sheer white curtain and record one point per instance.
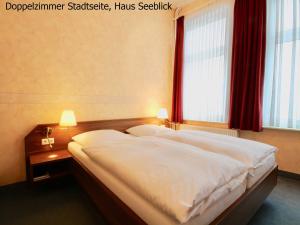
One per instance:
(281, 107)
(207, 62)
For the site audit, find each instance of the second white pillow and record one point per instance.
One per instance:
(147, 130)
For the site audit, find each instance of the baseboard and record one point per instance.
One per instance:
(289, 175)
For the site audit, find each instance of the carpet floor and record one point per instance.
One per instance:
(65, 203)
(282, 207)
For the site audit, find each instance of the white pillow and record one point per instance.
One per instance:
(147, 130)
(96, 137)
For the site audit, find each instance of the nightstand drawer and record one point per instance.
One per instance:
(49, 165)
(50, 170)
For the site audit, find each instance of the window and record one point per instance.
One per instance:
(281, 107)
(207, 59)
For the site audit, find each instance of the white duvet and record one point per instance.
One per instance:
(179, 179)
(249, 152)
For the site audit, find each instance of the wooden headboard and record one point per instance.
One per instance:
(63, 136)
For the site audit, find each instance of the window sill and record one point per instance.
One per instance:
(225, 125)
(206, 124)
(282, 129)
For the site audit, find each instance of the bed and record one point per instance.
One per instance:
(259, 157)
(120, 206)
(142, 207)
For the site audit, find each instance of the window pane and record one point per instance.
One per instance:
(207, 64)
(282, 73)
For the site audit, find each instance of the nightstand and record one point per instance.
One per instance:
(49, 165)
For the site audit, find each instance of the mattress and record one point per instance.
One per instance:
(142, 207)
(268, 164)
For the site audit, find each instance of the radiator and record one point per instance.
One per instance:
(228, 132)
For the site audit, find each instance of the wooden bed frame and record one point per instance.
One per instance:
(112, 208)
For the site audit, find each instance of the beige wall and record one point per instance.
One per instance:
(102, 65)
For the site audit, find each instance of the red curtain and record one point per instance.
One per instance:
(248, 63)
(177, 111)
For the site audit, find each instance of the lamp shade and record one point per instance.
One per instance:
(162, 114)
(67, 119)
